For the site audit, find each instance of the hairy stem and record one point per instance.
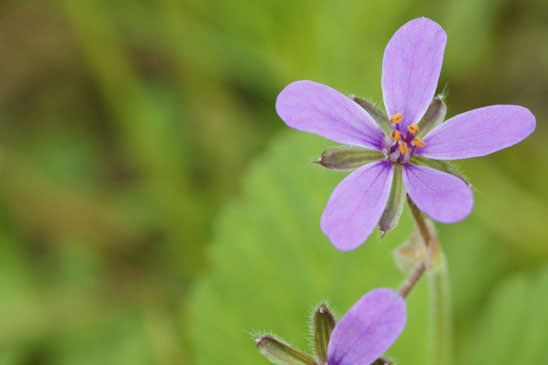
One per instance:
(439, 293)
(421, 267)
(440, 316)
(412, 279)
(419, 221)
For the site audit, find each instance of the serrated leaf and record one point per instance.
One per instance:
(270, 263)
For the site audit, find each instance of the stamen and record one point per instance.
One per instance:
(417, 142)
(413, 129)
(395, 135)
(396, 118)
(403, 147)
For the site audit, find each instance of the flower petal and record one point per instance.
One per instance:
(411, 67)
(356, 205)
(368, 329)
(441, 196)
(478, 132)
(312, 107)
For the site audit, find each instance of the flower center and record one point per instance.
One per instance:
(402, 142)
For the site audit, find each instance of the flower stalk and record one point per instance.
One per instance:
(412, 279)
(420, 222)
(424, 263)
(440, 315)
(438, 282)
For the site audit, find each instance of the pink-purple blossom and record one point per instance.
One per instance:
(411, 67)
(361, 336)
(368, 329)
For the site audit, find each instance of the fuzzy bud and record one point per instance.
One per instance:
(278, 352)
(434, 116)
(378, 116)
(324, 322)
(346, 158)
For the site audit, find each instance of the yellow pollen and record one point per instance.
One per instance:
(413, 128)
(417, 142)
(396, 118)
(403, 147)
(395, 135)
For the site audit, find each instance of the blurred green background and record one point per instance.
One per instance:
(127, 126)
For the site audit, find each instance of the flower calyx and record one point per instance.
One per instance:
(345, 158)
(278, 352)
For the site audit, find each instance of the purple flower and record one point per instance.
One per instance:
(368, 329)
(411, 67)
(361, 336)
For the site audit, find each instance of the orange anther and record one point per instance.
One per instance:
(396, 118)
(413, 128)
(403, 147)
(417, 142)
(395, 135)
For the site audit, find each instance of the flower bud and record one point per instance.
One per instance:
(324, 322)
(278, 352)
(346, 158)
(380, 117)
(434, 116)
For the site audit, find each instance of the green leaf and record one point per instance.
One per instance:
(270, 263)
(512, 328)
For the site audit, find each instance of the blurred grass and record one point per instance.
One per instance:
(125, 126)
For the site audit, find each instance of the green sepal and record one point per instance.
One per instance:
(346, 158)
(439, 165)
(434, 116)
(324, 322)
(379, 116)
(278, 352)
(396, 200)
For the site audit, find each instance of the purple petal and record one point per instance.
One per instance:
(312, 107)
(478, 132)
(368, 329)
(356, 205)
(411, 68)
(441, 196)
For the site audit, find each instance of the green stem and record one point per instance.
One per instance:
(420, 222)
(438, 282)
(440, 315)
(412, 279)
